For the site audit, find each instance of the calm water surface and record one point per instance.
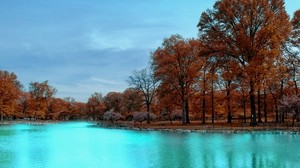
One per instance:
(81, 145)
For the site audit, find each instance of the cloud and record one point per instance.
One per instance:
(105, 81)
(99, 41)
(82, 89)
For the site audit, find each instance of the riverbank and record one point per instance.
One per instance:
(167, 126)
(202, 128)
(30, 122)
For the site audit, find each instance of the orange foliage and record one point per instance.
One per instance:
(9, 91)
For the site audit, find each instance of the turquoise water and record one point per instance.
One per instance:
(81, 145)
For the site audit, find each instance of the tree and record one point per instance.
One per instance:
(40, 96)
(57, 109)
(203, 82)
(113, 101)
(250, 32)
(146, 83)
(177, 63)
(168, 100)
(291, 105)
(23, 103)
(131, 100)
(96, 106)
(291, 50)
(9, 92)
(230, 72)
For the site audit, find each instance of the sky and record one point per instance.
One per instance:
(87, 46)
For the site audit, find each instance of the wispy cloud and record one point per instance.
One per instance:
(105, 81)
(100, 41)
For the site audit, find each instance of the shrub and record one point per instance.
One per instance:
(176, 115)
(143, 116)
(291, 106)
(112, 116)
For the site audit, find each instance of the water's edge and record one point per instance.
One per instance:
(207, 129)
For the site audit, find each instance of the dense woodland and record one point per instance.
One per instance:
(244, 66)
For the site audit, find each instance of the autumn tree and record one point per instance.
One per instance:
(144, 81)
(291, 105)
(203, 82)
(80, 109)
(229, 70)
(250, 32)
(40, 96)
(23, 103)
(96, 106)
(9, 92)
(113, 101)
(131, 100)
(168, 100)
(291, 50)
(177, 64)
(57, 108)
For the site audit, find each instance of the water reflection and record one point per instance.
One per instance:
(79, 145)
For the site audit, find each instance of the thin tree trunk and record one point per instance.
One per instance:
(212, 105)
(265, 106)
(183, 103)
(293, 124)
(187, 112)
(252, 104)
(295, 80)
(203, 107)
(229, 115)
(276, 110)
(296, 87)
(280, 98)
(259, 106)
(244, 107)
(148, 113)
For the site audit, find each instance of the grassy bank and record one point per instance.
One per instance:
(197, 126)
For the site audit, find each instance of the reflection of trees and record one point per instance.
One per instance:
(174, 151)
(5, 154)
(208, 158)
(230, 158)
(5, 158)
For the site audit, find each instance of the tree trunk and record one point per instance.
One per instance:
(183, 103)
(293, 124)
(229, 115)
(295, 80)
(265, 106)
(212, 105)
(276, 110)
(296, 87)
(252, 104)
(259, 106)
(203, 107)
(148, 113)
(244, 107)
(280, 98)
(187, 112)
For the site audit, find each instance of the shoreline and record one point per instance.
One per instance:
(29, 122)
(176, 127)
(192, 128)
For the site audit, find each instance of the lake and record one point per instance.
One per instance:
(79, 144)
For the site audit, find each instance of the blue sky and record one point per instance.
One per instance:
(87, 46)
